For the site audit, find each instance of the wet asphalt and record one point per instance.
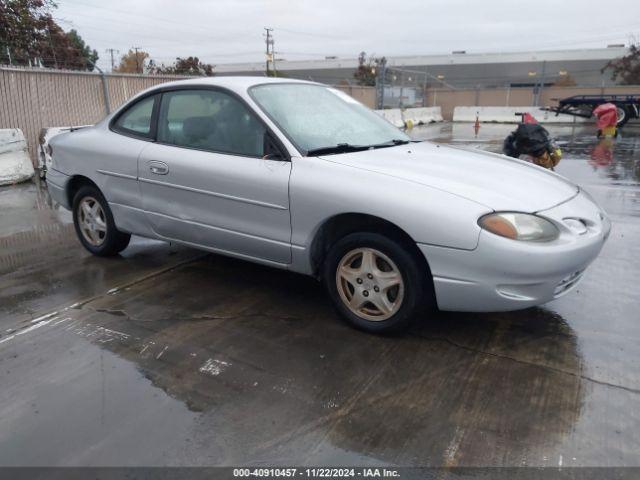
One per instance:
(168, 356)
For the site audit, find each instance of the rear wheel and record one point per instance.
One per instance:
(94, 223)
(374, 282)
(623, 115)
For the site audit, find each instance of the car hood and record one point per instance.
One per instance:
(495, 181)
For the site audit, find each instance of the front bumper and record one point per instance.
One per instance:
(502, 274)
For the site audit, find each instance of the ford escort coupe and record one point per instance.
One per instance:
(300, 176)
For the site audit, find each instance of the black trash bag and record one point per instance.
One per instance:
(528, 139)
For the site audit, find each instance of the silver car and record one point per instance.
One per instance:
(301, 176)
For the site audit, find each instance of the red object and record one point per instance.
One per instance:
(602, 153)
(607, 115)
(528, 118)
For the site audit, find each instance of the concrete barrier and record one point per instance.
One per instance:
(414, 116)
(508, 115)
(392, 115)
(422, 115)
(15, 164)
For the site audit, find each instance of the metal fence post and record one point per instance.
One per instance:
(105, 91)
(382, 71)
(105, 88)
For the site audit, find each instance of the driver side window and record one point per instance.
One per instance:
(210, 120)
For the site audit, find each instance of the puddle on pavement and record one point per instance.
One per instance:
(269, 369)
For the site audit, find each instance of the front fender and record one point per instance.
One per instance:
(320, 190)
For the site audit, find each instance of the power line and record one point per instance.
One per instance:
(175, 22)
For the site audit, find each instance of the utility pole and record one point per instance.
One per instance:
(112, 51)
(269, 45)
(138, 69)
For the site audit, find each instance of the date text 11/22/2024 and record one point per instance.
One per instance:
(316, 472)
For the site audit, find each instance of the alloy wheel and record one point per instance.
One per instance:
(92, 221)
(370, 284)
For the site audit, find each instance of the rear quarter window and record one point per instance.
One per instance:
(137, 119)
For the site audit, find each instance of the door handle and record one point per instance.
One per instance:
(159, 168)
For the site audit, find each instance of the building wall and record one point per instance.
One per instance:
(365, 95)
(448, 99)
(460, 70)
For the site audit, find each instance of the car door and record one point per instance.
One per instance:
(205, 181)
(117, 152)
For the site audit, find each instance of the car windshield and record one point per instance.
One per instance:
(319, 119)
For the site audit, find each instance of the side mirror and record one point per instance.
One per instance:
(271, 150)
(273, 156)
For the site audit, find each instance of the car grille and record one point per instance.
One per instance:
(567, 283)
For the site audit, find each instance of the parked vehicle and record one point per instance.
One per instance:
(628, 106)
(301, 176)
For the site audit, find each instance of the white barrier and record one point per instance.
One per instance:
(392, 115)
(15, 164)
(508, 115)
(417, 116)
(422, 115)
(46, 134)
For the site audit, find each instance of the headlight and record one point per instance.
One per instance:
(519, 226)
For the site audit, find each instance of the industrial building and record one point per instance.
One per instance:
(458, 69)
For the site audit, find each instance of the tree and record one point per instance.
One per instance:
(133, 62)
(65, 50)
(30, 35)
(183, 66)
(626, 69)
(22, 29)
(366, 72)
(87, 54)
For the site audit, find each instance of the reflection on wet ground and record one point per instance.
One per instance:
(166, 356)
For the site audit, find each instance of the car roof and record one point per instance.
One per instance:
(238, 84)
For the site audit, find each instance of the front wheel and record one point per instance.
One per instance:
(94, 223)
(375, 283)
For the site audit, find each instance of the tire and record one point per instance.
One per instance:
(352, 257)
(91, 208)
(623, 116)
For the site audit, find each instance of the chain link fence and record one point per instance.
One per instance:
(405, 88)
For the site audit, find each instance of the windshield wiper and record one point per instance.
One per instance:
(347, 147)
(339, 148)
(390, 143)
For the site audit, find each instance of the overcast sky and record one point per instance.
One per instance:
(229, 31)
